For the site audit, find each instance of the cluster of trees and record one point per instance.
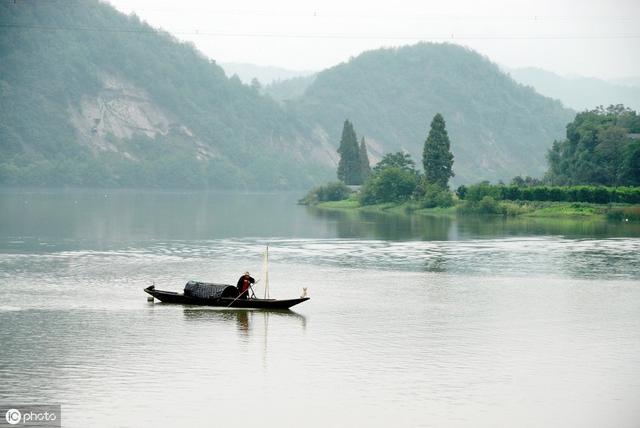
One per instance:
(395, 178)
(590, 194)
(598, 162)
(526, 181)
(602, 147)
(353, 168)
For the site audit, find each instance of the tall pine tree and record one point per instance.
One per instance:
(365, 167)
(437, 158)
(349, 167)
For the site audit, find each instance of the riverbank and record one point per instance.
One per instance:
(564, 210)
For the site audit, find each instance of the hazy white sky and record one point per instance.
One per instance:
(599, 38)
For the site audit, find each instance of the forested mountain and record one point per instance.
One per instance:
(498, 128)
(89, 96)
(580, 93)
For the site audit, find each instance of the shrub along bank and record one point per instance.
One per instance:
(589, 194)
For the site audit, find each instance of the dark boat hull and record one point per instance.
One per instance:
(224, 302)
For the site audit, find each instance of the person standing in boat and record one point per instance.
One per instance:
(244, 283)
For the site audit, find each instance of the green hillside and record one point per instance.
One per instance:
(498, 128)
(90, 96)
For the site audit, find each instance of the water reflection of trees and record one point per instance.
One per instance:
(395, 226)
(492, 226)
(386, 226)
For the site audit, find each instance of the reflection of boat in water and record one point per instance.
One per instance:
(246, 322)
(220, 295)
(243, 319)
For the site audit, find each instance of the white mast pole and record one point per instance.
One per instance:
(266, 273)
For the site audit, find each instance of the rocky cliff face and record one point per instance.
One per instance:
(121, 110)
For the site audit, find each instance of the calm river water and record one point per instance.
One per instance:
(429, 322)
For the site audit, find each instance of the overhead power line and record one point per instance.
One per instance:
(452, 36)
(616, 14)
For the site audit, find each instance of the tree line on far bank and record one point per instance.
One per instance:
(589, 194)
(599, 162)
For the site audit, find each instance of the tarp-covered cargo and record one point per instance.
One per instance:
(205, 290)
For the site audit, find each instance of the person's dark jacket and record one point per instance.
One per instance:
(241, 281)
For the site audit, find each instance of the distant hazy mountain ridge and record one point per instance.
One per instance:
(581, 93)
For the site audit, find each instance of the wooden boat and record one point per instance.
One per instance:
(221, 295)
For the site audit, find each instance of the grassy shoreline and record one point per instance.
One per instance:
(532, 209)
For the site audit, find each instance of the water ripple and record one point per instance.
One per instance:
(587, 258)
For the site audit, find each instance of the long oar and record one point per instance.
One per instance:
(233, 301)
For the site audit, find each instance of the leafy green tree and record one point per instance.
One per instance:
(400, 160)
(394, 179)
(631, 164)
(437, 158)
(349, 166)
(598, 149)
(365, 167)
(391, 184)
